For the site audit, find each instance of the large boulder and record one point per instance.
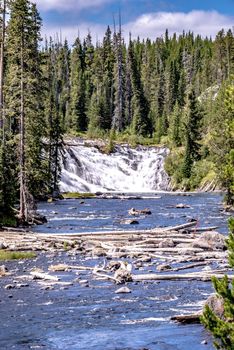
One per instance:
(167, 243)
(216, 304)
(3, 245)
(98, 251)
(123, 290)
(210, 240)
(3, 270)
(135, 212)
(123, 273)
(129, 222)
(122, 276)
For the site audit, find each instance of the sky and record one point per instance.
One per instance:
(143, 18)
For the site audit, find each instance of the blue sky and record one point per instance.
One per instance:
(144, 18)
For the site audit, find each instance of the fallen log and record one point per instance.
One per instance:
(202, 229)
(190, 266)
(44, 276)
(175, 277)
(179, 227)
(105, 276)
(187, 319)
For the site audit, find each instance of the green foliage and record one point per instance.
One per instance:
(8, 255)
(111, 144)
(175, 126)
(202, 174)
(222, 328)
(8, 219)
(77, 195)
(230, 242)
(174, 167)
(222, 141)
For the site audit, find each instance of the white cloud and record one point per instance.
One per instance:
(151, 25)
(68, 5)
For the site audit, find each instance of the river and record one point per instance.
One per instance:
(96, 214)
(91, 316)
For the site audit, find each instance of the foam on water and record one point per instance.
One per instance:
(141, 169)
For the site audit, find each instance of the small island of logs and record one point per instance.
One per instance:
(161, 253)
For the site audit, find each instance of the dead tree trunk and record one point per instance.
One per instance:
(2, 118)
(23, 206)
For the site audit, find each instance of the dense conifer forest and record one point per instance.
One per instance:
(176, 90)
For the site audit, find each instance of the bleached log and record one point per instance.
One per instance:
(81, 268)
(176, 277)
(44, 276)
(190, 266)
(105, 276)
(179, 227)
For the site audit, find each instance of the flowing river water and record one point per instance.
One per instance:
(88, 316)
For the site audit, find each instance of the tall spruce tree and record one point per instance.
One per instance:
(63, 81)
(118, 116)
(192, 132)
(53, 120)
(141, 122)
(78, 101)
(7, 161)
(24, 100)
(222, 138)
(108, 78)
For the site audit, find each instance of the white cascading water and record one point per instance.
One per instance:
(141, 169)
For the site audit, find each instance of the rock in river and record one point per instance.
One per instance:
(123, 290)
(210, 240)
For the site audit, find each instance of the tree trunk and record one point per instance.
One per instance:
(23, 211)
(2, 69)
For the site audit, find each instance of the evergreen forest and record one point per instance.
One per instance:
(176, 90)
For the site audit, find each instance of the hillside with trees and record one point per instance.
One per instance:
(175, 90)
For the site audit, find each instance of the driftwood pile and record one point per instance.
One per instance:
(167, 252)
(131, 256)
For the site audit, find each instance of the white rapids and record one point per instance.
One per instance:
(86, 169)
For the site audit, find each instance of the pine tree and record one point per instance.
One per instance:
(24, 102)
(222, 138)
(221, 57)
(35, 124)
(141, 123)
(192, 133)
(222, 328)
(53, 121)
(108, 79)
(78, 100)
(8, 174)
(19, 50)
(63, 81)
(176, 125)
(89, 56)
(118, 116)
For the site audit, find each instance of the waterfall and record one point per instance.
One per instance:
(140, 169)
